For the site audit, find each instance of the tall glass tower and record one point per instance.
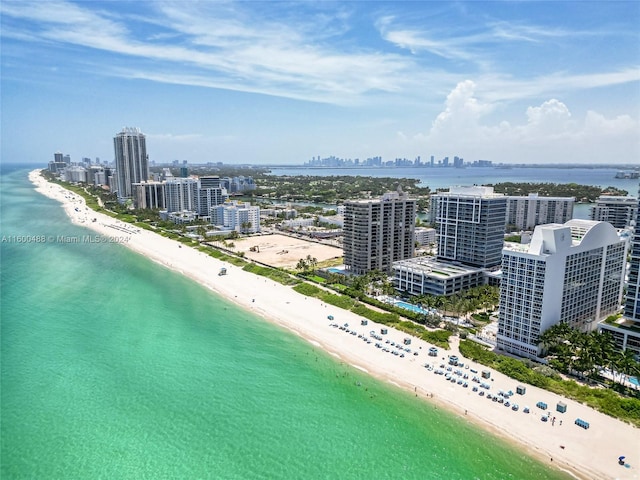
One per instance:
(132, 161)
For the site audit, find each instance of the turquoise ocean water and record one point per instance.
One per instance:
(114, 367)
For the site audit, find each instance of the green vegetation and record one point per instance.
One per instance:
(604, 400)
(439, 338)
(271, 273)
(584, 354)
(334, 189)
(513, 238)
(484, 297)
(307, 264)
(582, 193)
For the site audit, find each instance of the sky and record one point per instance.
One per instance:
(282, 82)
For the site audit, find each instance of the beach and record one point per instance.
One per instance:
(588, 453)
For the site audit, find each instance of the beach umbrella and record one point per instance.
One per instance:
(621, 458)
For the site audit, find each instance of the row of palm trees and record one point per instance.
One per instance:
(481, 298)
(572, 351)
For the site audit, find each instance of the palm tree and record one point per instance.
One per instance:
(628, 365)
(312, 262)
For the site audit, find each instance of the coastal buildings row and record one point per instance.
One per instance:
(521, 212)
(572, 271)
(181, 200)
(470, 230)
(185, 200)
(337, 162)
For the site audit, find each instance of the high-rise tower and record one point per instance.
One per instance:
(132, 162)
(470, 222)
(378, 232)
(571, 273)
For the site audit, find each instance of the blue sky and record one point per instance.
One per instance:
(281, 82)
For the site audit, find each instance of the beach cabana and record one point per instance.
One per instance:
(384, 331)
(486, 374)
(561, 407)
(521, 389)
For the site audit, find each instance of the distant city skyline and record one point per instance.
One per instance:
(281, 82)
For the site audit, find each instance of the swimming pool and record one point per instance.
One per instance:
(634, 381)
(409, 306)
(335, 270)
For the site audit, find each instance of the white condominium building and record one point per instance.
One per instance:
(571, 273)
(471, 223)
(239, 216)
(525, 212)
(618, 211)
(181, 194)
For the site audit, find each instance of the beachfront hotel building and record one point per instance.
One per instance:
(571, 273)
(618, 211)
(470, 222)
(378, 232)
(132, 161)
(626, 330)
(525, 212)
(241, 217)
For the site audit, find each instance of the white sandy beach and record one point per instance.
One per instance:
(591, 453)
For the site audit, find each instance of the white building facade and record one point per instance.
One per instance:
(525, 212)
(571, 273)
(239, 216)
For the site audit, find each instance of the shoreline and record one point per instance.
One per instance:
(585, 454)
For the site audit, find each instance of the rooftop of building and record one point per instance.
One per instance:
(471, 191)
(535, 196)
(436, 268)
(555, 237)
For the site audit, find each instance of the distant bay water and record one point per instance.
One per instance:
(438, 177)
(115, 367)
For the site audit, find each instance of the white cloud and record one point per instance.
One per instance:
(461, 114)
(549, 132)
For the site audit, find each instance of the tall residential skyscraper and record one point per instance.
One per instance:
(626, 330)
(132, 162)
(571, 273)
(470, 222)
(632, 304)
(378, 232)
